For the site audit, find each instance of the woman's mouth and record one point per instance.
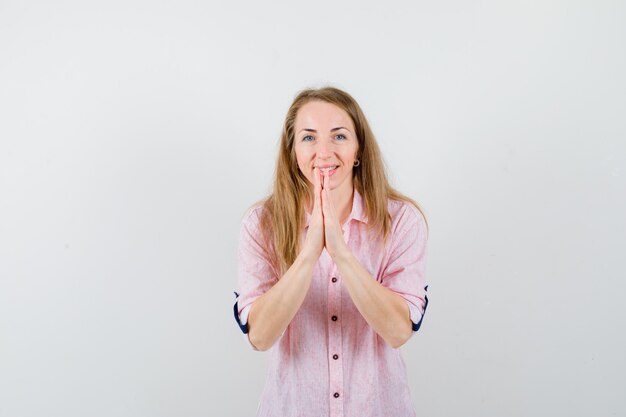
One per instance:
(330, 169)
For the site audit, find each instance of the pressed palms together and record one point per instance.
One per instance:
(324, 228)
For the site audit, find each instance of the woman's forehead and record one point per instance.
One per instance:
(321, 115)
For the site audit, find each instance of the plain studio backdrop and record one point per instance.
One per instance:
(134, 135)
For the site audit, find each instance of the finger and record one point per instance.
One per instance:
(326, 197)
(326, 180)
(317, 188)
(330, 208)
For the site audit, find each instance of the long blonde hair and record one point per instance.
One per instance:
(282, 219)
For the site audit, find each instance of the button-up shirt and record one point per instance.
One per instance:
(329, 361)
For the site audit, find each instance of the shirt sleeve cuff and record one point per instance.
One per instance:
(416, 315)
(242, 320)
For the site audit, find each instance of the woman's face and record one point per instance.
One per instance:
(325, 138)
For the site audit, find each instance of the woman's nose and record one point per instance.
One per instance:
(323, 149)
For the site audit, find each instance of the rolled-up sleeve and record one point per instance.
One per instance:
(255, 274)
(404, 272)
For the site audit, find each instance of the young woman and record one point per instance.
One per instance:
(331, 269)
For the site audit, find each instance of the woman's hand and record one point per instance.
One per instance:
(314, 242)
(333, 235)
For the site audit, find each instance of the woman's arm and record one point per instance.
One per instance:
(384, 310)
(271, 313)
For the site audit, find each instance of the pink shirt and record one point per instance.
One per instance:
(329, 361)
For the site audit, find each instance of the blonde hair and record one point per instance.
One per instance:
(282, 218)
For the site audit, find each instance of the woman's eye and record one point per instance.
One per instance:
(307, 138)
(340, 137)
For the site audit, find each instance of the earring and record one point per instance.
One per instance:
(357, 163)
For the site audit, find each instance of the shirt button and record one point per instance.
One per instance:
(336, 395)
(334, 279)
(335, 357)
(334, 318)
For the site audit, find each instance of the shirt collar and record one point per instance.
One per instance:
(357, 212)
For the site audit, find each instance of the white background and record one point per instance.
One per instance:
(134, 134)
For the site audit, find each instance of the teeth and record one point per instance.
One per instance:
(327, 169)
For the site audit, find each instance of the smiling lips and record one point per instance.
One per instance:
(328, 168)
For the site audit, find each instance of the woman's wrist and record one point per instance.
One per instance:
(342, 255)
(308, 256)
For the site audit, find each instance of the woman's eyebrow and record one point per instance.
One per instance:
(332, 130)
